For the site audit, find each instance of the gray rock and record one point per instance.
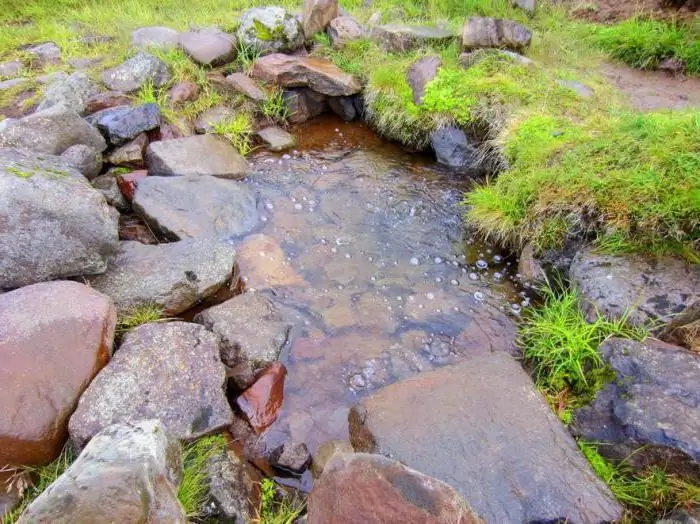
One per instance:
(654, 289)
(270, 30)
(51, 132)
(291, 456)
(453, 148)
(84, 63)
(482, 427)
(526, 5)
(420, 73)
(83, 158)
(196, 156)
(187, 207)
(168, 371)
(316, 16)
(483, 32)
(304, 104)
(136, 72)
(231, 490)
(174, 276)
(209, 47)
(529, 268)
(276, 138)
(579, 88)
(130, 154)
(207, 121)
(242, 83)
(467, 60)
(50, 78)
(344, 107)
(54, 223)
(653, 400)
(11, 69)
(72, 93)
(127, 473)
(123, 123)
(45, 54)
(107, 185)
(13, 83)
(398, 38)
(156, 36)
(344, 29)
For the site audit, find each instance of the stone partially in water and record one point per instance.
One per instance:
(291, 456)
(167, 371)
(304, 104)
(263, 264)
(270, 30)
(196, 156)
(262, 401)
(47, 362)
(276, 138)
(326, 452)
(454, 148)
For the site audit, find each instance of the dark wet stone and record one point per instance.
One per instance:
(168, 371)
(133, 74)
(262, 401)
(106, 100)
(276, 138)
(196, 156)
(207, 121)
(316, 15)
(107, 185)
(156, 36)
(482, 32)
(72, 93)
(130, 154)
(72, 341)
(304, 104)
(291, 456)
(344, 107)
(209, 47)
(270, 30)
(242, 83)
(344, 29)
(232, 490)
(454, 148)
(420, 73)
(533, 473)
(123, 123)
(85, 159)
(398, 38)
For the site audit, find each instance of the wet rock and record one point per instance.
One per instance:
(156, 36)
(264, 265)
(127, 473)
(130, 154)
(44, 54)
(344, 29)
(421, 72)
(467, 60)
(72, 341)
(231, 489)
(654, 289)
(262, 401)
(481, 32)
(181, 92)
(317, 14)
(207, 121)
(398, 38)
(270, 30)
(209, 47)
(653, 400)
(454, 148)
(11, 69)
(529, 268)
(534, 473)
(133, 74)
(167, 371)
(51, 131)
(297, 71)
(242, 83)
(304, 104)
(55, 224)
(526, 5)
(128, 182)
(579, 88)
(107, 185)
(105, 100)
(123, 123)
(344, 107)
(186, 207)
(85, 159)
(196, 156)
(276, 138)
(291, 456)
(71, 93)
(326, 452)
(358, 487)
(174, 276)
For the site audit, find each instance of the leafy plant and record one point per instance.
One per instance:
(275, 509)
(194, 490)
(238, 131)
(275, 106)
(139, 315)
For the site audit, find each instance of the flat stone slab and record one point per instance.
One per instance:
(244, 84)
(482, 427)
(155, 36)
(276, 138)
(209, 46)
(399, 38)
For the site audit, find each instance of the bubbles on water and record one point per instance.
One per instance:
(334, 250)
(473, 276)
(515, 308)
(454, 282)
(414, 261)
(479, 296)
(438, 280)
(497, 276)
(482, 264)
(430, 296)
(348, 255)
(269, 205)
(437, 260)
(357, 381)
(298, 207)
(497, 258)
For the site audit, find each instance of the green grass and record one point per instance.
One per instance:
(137, 316)
(238, 130)
(275, 107)
(275, 509)
(193, 492)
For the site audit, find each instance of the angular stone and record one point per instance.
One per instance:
(242, 83)
(453, 148)
(55, 225)
(270, 30)
(133, 74)
(209, 47)
(123, 123)
(526, 5)
(196, 156)
(11, 69)
(304, 104)
(317, 14)
(482, 427)
(344, 107)
(127, 473)
(51, 78)
(45, 54)
(51, 132)
(173, 276)
(420, 73)
(357, 487)
(72, 341)
(168, 371)
(326, 452)
(186, 91)
(128, 182)
(130, 154)
(397, 38)
(344, 29)
(107, 185)
(231, 489)
(71, 93)
(264, 265)
(291, 456)
(262, 401)
(319, 74)
(276, 138)
(652, 289)
(207, 121)
(85, 159)
(106, 100)
(156, 36)
(186, 207)
(85, 63)
(482, 32)
(529, 268)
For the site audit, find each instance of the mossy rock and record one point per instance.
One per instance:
(270, 30)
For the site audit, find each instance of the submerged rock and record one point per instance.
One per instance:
(47, 362)
(326, 452)
(209, 47)
(123, 123)
(262, 401)
(291, 456)
(344, 29)
(156, 36)
(316, 15)
(71, 93)
(264, 265)
(344, 106)
(398, 38)
(482, 32)
(167, 371)
(421, 72)
(127, 473)
(270, 30)
(133, 74)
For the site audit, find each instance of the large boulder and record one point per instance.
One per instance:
(357, 487)
(155, 36)
(173, 276)
(299, 71)
(72, 93)
(167, 371)
(344, 29)
(398, 38)
(48, 359)
(454, 148)
(649, 290)
(482, 427)
(127, 473)
(420, 73)
(316, 15)
(482, 32)
(188, 206)
(123, 123)
(196, 155)
(54, 223)
(51, 132)
(136, 72)
(210, 47)
(270, 30)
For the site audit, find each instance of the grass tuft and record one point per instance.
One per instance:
(275, 509)
(275, 107)
(238, 130)
(139, 315)
(193, 492)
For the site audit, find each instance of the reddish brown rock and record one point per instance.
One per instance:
(106, 100)
(262, 401)
(48, 360)
(317, 15)
(371, 489)
(242, 83)
(183, 92)
(263, 264)
(129, 181)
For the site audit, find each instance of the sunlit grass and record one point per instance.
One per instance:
(193, 492)
(139, 315)
(275, 509)
(238, 130)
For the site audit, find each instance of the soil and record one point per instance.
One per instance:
(609, 11)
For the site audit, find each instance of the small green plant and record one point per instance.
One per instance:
(137, 316)
(246, 57)
(275, 509)
(238, 131)
(275, 107)
(194, 491)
